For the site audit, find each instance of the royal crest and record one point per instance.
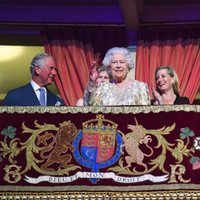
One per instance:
(97, 141)
(98, 150)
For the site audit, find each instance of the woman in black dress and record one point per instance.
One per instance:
(167, 87)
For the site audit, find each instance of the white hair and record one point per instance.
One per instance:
(38, 61)
(121, 50)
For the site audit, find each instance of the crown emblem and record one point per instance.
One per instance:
(100, 124)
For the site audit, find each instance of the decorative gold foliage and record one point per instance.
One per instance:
(11, 150)
(30, 148)
(178, 150)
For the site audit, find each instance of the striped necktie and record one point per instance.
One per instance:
(42, 96)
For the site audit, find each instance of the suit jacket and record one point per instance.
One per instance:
(25, 96)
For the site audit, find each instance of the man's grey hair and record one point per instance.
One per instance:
(38, 61)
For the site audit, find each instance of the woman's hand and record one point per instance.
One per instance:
(93, 75)
(93, 72)
(157, 97)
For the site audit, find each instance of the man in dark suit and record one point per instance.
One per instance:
(43, 70)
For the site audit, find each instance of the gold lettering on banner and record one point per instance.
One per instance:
(12, 173)
(177, 172)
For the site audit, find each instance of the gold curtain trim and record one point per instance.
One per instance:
(97, 109)
(110, 188)
(102, 195)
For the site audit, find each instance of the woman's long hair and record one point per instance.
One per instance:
(172, 74)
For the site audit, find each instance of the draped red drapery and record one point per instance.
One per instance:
(174, 45)
(74, 49)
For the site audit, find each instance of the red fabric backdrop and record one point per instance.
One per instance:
(74, 49)
(174, 45)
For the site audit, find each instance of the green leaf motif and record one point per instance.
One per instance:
(194, 159)
(4, 132)
(9, 131)
(186, 132)
(182, 135)
(191, 133)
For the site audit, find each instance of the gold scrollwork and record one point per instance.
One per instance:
(37, 143)
(134, 155)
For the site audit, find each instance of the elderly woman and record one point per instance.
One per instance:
(121, 90)
(167, 87)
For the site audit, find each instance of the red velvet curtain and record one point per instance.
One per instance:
(74, 49)
(174, 45)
